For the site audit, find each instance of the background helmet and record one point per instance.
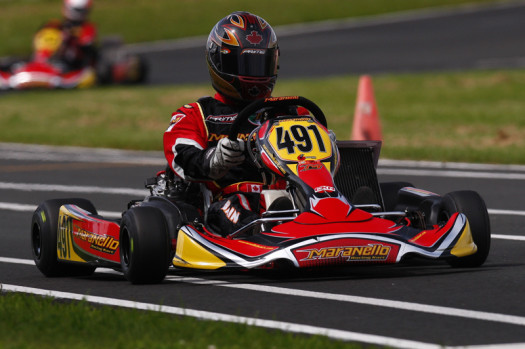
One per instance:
(76, 10)
(242, 56)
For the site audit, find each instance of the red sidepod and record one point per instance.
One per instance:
(94, 238)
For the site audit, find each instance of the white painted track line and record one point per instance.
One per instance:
(212, 316)
(279, 325)
(376, 302)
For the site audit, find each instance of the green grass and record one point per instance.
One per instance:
(35, 322)
(138, 20)
(472, 116)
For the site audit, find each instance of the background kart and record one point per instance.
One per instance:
(114, 66)
(329, 210)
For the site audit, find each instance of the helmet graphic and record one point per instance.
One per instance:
(242, 56)
(76, 10)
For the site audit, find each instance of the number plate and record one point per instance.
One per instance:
(292, 138)
(47, 39)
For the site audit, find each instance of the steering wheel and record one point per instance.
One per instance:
(275, 102)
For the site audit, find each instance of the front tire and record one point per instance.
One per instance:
(44, 225)
(144, 245)
(473, 206)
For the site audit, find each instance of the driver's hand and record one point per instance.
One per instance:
(227, 154)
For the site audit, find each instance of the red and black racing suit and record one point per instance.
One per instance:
(188, 146)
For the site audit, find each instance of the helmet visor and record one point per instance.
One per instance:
(254, 62)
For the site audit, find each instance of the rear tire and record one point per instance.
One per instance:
(144, 245)
(389, 191)
(473, 206)
(44, 225)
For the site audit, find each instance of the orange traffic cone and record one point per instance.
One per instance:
(366, 119)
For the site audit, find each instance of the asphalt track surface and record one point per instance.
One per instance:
(412, 305)
(439, 40)
(416, 304)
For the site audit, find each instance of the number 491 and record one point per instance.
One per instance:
(297, 136)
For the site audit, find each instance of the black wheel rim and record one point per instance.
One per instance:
(125, 248)
(36, 241)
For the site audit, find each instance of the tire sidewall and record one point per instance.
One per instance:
(45, 219)
(144, 245)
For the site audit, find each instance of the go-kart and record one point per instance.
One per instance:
(332, 211)
(45, 70)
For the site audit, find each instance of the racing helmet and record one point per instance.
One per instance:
(242, 56)
(76, 10)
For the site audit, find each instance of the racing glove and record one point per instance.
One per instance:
(227, 154)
